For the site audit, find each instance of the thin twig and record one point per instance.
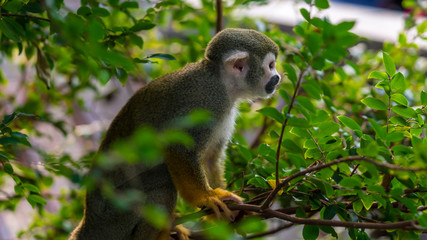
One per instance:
(291, 105)
(285, 226)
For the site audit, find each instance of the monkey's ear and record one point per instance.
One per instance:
(237, 63)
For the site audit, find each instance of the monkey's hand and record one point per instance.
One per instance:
(214, 199)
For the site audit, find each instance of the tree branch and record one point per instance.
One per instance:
(326, 165)
(218, 15)
(25, 16)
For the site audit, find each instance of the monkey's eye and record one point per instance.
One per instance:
(271, 65)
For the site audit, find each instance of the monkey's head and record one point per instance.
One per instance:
(247, 59)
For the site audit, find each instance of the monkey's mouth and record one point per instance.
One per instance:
(271, 85)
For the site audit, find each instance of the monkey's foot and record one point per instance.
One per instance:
(182, 232)
(214, 199)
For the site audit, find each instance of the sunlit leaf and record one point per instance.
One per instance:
(273, 113)
(400, 99)
(389, 64)
(398, 82)
(374, 103)
(404, 111)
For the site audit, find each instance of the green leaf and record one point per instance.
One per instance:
(395, 137)
(379, 130)
(404, 111)
(378, 75)
(350, 123)
(400, 99)
(312, 90)
(314, 42)
(142, 25)
(367, 201)
(328, 128)
(129, 4)
(374, 103)
(136, 40)
(22, 138)
(273, 113)
(8, 168)
(305, 14)
(306, 103)
(258, 181)
(36, 199)
(389, 64)
(163, 56)
(42, 68)
(298, 122)
(310, 232)
(9, 118)
(384, 84)
(100, 12)
(321, 4)
(156, 215)
(398, 82)
(31, 187)
(328, 212)
(83, 11)
(423, 96)
(11, 29)
(285, 96)
(422, 27)
(398, 121)
(422, 219)
(297, 160)
(290, 72)
(350, 183)
(358, 206)
(12, 6)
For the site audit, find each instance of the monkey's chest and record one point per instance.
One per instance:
(220, 136)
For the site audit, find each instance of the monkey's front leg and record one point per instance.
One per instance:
(191, 182)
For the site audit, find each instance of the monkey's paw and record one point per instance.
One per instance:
(182, 232)
(214, 199)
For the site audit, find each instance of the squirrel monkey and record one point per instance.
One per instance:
(239, 65)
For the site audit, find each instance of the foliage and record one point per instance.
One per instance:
(343, 139)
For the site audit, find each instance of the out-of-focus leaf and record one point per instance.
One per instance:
(142, 25)
(321, 4)
(163, 56)
(42, 68)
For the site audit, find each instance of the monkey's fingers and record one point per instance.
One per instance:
(214, 206)
(225, 209)
(182, 232)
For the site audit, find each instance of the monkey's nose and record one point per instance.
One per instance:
(269, 88)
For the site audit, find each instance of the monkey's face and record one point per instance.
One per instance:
(249, 76)
(270, 77)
